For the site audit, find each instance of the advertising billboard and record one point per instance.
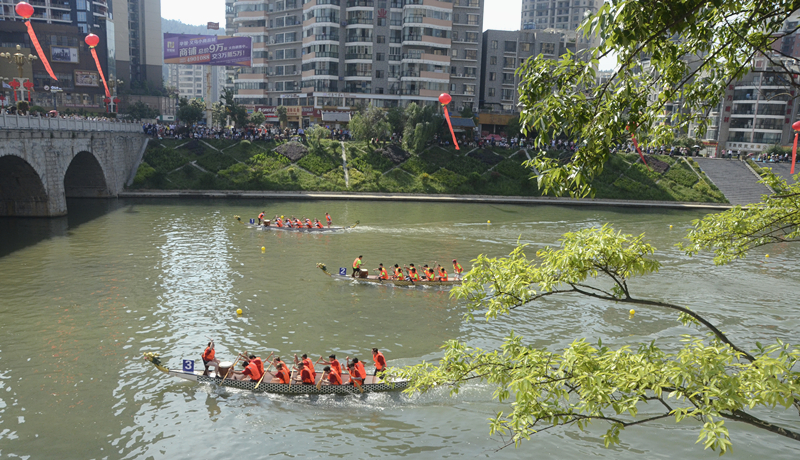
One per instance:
(67, 54)
(207, 50)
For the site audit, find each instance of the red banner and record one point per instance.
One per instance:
(39, 50)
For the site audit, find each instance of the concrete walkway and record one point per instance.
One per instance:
(734, 179)
(418, 198)
(782, 170)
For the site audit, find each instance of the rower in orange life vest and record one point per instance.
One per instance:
(457, 270)
(412, 273)
(250, 370)
(260, 217)
(307, 361)
(317, 223)
(209, 359)
(429, 273)
(331, 377)
(357, 266)
(254, 359)
(442, 274)
(356, 371)
(278, 221)
(282, 376)
(382, 273)
(398, 272)
(333, 364)
(328, 218)
(380, 361)
(308, 223)
(306, 376)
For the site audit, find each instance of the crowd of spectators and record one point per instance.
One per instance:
(250, 133)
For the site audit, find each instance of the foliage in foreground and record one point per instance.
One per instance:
(709, 379)
(695, 49)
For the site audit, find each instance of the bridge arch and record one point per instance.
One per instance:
(22, 191)
(85, 178)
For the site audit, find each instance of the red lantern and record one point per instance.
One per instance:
(24, 9)
(107, 100)
(116, 100)
(28, 84)
(445, 98)
(92, 40)
(14, 84)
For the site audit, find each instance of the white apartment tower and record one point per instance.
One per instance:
(315, 55)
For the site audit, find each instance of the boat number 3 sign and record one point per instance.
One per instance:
(188, 365)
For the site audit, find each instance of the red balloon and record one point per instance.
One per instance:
(796, 126)
(92, 40)
(24, 9)
(445, 98)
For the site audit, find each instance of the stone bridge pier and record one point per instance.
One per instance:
(40, 169)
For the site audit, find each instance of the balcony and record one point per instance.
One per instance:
(359, 73)
(358, 56)
(358, 39)
(355, 3)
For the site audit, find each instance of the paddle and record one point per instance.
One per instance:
(291, 373)
(232, 368)
(265, 370)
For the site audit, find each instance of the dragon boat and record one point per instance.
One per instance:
(252, 224)
(365, 278)
(371, 384)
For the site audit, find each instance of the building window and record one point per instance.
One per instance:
(508, 62)
(510, 47)
(493, 60)
(380, 56)
(379, 74)
(525, 46)
(548, 48)
(508, 95)
(494, 44)
(454, 53)
(471, 54)
(381, 39)
(381, 21)
(491, 92)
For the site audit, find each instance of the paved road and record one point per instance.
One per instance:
(418, 197)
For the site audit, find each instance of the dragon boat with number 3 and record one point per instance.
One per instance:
(295, 229)
(371, 384)
(367, 279)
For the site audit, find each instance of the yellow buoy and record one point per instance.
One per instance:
(670, 226)
(488, 221)
(767, 256)
(238, 311)
(632, 312)
(263, 249)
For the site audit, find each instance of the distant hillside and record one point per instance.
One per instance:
(172, 26)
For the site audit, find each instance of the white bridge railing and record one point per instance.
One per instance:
(67, 124)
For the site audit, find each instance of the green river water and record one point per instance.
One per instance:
(82, 297)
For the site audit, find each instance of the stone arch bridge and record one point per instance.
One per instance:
(45, 161)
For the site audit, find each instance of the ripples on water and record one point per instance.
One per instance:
(81, 303)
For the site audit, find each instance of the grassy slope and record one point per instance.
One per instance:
(231, 165)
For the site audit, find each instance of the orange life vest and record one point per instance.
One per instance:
(308, 224)
(384, 274)
(307, 377)
(252, 371)
(283, 375)
(336, 366)
(398, 273)
(413, 275)
(442, 274)
(457, 267)
(334, 378)
(279, 223)
(328, 218)
(208, 354)
(362, 373)
(309, 365)
(430, 274)
(356, 264)
(259, 364)
(318, 224)
(380, 361)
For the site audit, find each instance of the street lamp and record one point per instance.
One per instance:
(19, 60)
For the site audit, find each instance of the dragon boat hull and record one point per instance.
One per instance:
(390, 282)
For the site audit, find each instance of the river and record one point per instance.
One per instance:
(85, 295)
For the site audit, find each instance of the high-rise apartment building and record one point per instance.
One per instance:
(197, 81)
(557, 14)
(337, 54)
(138, 39)
(85, 14)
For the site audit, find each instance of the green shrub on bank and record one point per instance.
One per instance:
(318, 163)
(143, 174)
(165, 160)
(214, 161)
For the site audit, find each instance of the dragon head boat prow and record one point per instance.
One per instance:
(153, 358)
